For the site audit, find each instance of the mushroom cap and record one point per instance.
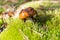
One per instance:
(28, 12)
(23, 15)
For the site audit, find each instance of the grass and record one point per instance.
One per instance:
(46, 27)
(12, 33)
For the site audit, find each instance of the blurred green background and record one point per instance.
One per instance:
(46, 27)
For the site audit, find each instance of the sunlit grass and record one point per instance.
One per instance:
(46, 27)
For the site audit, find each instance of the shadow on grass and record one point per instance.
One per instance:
(42, 19)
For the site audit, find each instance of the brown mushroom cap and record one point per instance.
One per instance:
(28, 12)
